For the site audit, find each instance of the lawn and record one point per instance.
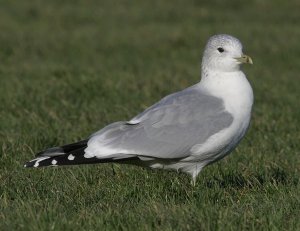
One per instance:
(67, 68)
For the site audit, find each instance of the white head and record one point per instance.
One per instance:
(223, 53)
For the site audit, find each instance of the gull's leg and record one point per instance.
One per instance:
(193, 181)
(196, 170)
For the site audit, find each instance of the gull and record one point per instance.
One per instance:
(184, 131)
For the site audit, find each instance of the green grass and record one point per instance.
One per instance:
(67, 68)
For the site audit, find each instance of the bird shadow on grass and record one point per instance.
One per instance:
(273, 176)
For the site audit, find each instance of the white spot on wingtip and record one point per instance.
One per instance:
(71, 157)
(53, 162)
(34, 160)
(38, 160)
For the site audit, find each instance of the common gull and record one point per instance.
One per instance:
(184, 131)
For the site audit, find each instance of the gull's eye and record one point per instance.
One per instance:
(220, 49)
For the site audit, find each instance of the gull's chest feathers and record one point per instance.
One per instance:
(235, 91)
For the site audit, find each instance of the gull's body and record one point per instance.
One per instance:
(184, 131)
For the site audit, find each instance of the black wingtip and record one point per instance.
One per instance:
(70, 159)
(50, 156)
(34, 162)
(27, 165)
(70, 154)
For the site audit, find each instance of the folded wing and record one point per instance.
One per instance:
(166, 130)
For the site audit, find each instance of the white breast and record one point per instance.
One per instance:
(234, 89)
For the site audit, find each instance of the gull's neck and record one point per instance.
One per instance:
(212, 79)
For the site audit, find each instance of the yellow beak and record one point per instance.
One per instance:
(244, 59)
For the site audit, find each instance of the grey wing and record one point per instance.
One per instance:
(168, 129)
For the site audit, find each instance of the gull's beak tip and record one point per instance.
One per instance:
(245, 59)
(250, 61)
